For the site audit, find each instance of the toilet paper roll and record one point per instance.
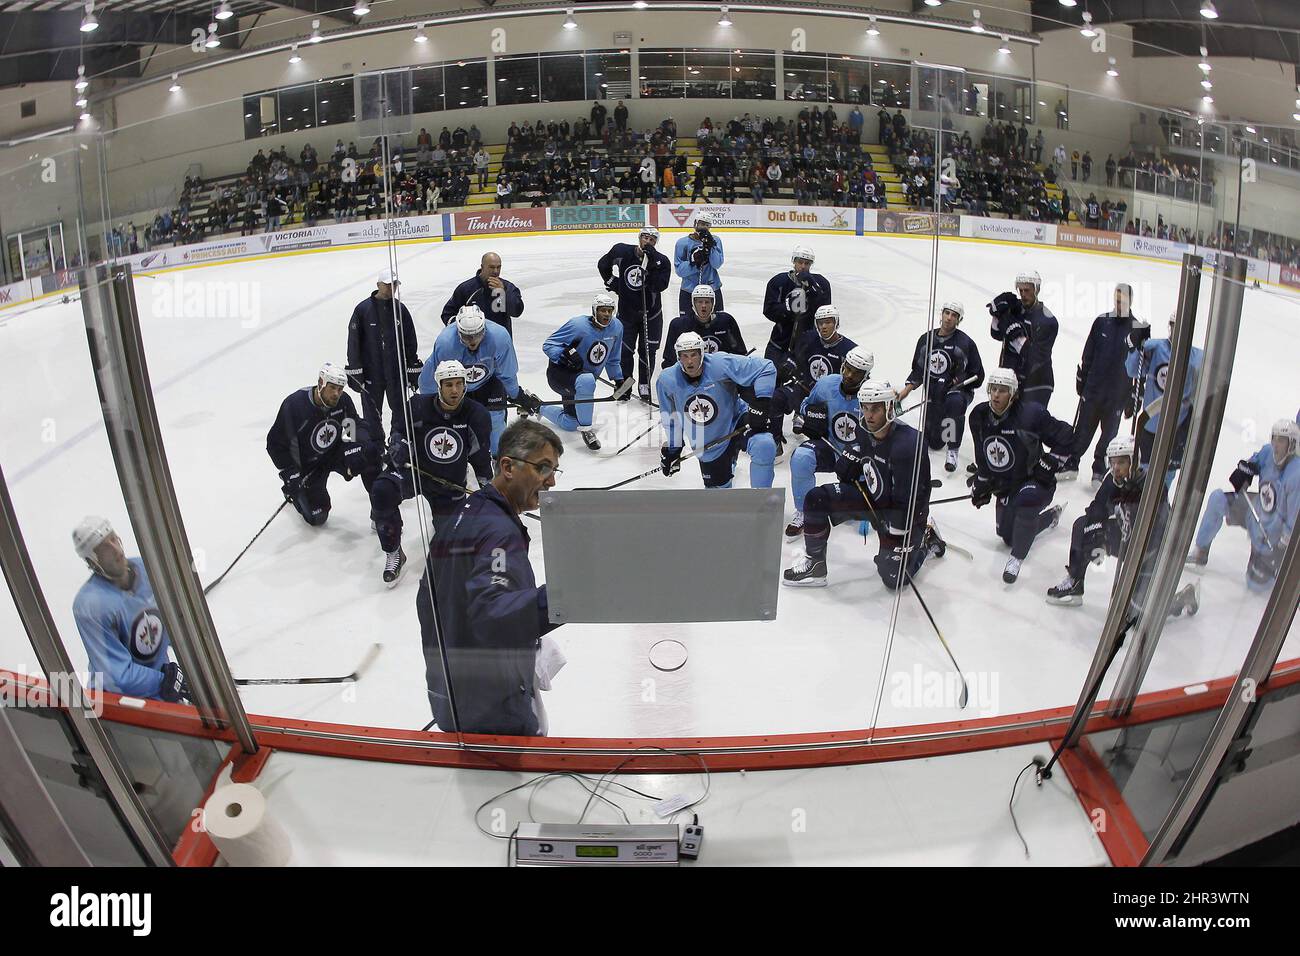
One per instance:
(238, 822)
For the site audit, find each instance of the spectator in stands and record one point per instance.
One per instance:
(482, 160)
(1086, 164)
(1110, 170)
(598, 113)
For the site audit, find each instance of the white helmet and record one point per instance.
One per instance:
(1122, 447)
(603, 300)
(703, 292)
(803, 252)
(873, 393)
(1004, 377)
(448, 370)
(649, 231)
(332, 374)
(1030, 278)
(952, 305)
(470, 321)
(1286, 428)
(88, 536)
(827, 312)
(702, 219)
(860, 359)
(689, 342)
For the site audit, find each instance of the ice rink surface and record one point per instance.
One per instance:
(226, 343)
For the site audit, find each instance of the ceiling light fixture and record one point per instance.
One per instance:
(640, 4)
(977, 26)
(361, 8)
(1069, 3)
(224, 12)
(82, 101)
(933, 3)
(315, 32)
(1005, 46)
(1110, 70)
(1087, 29)
(1208, 11)
(89, 23)
(872, 29)
(725, 19)
(294, 56)
(421, 36)
(569, 22)
(1207, 99)
(1206, 84)
(213, 40)
(176, 84)
(1204, 63)
(82, 82)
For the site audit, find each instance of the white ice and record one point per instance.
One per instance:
(307, 601)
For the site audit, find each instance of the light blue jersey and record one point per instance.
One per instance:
(1155, 366)
(692, 274)
(123, 632)
(708, 408)
(1279, 493)
(599, 348)
(843, 413)
(494, 357)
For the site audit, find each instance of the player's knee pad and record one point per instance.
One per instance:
(315, 516)
(762, 449)
(584, 386)
(385, 495)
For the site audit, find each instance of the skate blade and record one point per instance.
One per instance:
(805, 583)
(1074, 600)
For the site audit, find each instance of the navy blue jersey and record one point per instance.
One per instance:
(816, 358)
(722, 334)
(889, 474)
(306, 435)
(1105, 379)
(445, 442)
(951, 360)
(636, 278)
(499, 305)
(375, 354)
(1038, 357)
(1009, 447)
(790, 304)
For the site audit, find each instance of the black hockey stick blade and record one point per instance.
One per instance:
(356, 674)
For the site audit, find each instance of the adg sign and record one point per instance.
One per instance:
(597, 217)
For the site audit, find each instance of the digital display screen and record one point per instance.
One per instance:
(595, 851)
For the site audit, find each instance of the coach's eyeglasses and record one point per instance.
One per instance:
(544, 468)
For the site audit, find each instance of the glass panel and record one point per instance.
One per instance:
(563, 78)
(708, 74)
(517, 79)
(426, 90)
(850, 80)
(466, 84)
(261, 115)
(891, 85)
(334, 101)
(805, 77)
(663, 73)
(754, 74)
(609, 74)
(297, 108)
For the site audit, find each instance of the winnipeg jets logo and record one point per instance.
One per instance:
(701, 409)
(1162, 373)
(818, 366)
(634, 277)
(597, 353)
(146, 634)
(939, 362)
(325, 435)
(844, 427)
(796, 301)
(711, 344)
(1267, 497)
(475, 374)
(442, 444)
(871, 478)
(998, 453)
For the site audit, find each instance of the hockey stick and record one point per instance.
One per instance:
(653, 426)
(219, 579)
(659, 470)
(958, 387)
(902, 570)
(1273, 545)
(464, 491)
(360, 669)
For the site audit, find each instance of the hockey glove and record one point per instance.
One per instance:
(1094, 541)
(354, 378)
(1140, 332)
(1005, 306)
(571, 359)
(413, 370)
(399, 453)
(1242, 475)
(790, 370)
(1079, 381)
(1134, 404)
(611, 284)
(848, 467)
(291, 484)
(1049, 463)
(174, 689)
(699, 256)
(529, 402)
(757, 419)
(707, 242)
(981, 490)
(816, 423)
(670, 460)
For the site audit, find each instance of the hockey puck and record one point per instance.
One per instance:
(668, 655)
